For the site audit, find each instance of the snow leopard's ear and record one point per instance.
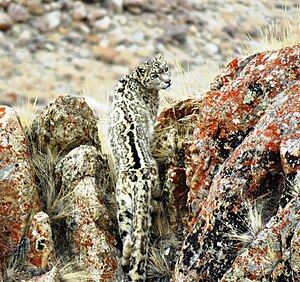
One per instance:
(159, 56)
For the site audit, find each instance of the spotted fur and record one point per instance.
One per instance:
(133, 114)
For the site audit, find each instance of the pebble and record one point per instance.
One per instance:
(79, 11)
(105, 54)
(35, 7)
(211, 48)
(53, 20)
(5, 21)
(25, 36)
(134, 6)
(18, 13)
(95, 14)
(138, 36)
(116, 6)
(4, 3)
(103, 24)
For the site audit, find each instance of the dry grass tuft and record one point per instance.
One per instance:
(189, 82)
(277, 35)
(254, 224)
(69, 272)
(55, 202)
(158, 267)
(27, 112)
(270, 259)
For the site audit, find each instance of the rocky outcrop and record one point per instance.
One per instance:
(250, 175)
(26, 244)
(79, 228)
(67, 128)
(239, 97)
(244, 147)
(64, 124)
(89, 228)
(172, 136)
(18, 196)
(229, 165)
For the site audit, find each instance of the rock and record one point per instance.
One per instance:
(53, 20)
(5, 3)
(18, 13)
(172, 136)
(9, 98)
(25, 36)
(250, 174)
(138, 37)
(103, 24)
(54, 6)
(95, 14)
(5, 21)
(245, 88)
(79, 11)
(35, 7)
(276, 246)
(115, 6)
(41, 255)
(105, 54)
(134, 6)
(174, 34)
(64, 124)
(40, 23)
(51, 276)
(18, 196)
(92, 38)
(211, 48)
(88, 221)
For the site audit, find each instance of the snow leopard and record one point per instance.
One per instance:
(132, 117)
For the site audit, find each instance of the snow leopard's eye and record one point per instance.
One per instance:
(166, 69)
(154, 76)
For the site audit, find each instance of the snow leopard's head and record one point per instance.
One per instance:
(154, 74)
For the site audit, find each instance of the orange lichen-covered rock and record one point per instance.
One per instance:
(272, 254)
(250, 174)
(229, 112)
(172, 134)
(89, 225)
(179, 118)
(173, 131)
(18, 193)
(41, 254)
(64, 124)
(51, 276)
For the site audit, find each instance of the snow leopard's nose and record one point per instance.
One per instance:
(168, 81)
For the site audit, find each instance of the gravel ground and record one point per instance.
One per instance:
(49, 48)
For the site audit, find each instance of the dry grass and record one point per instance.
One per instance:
(55, 203)
(27, 112)
(254, 224)
(158, 267)
(270, 259)
(277, 35)
(69, 272)
(189, 82)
